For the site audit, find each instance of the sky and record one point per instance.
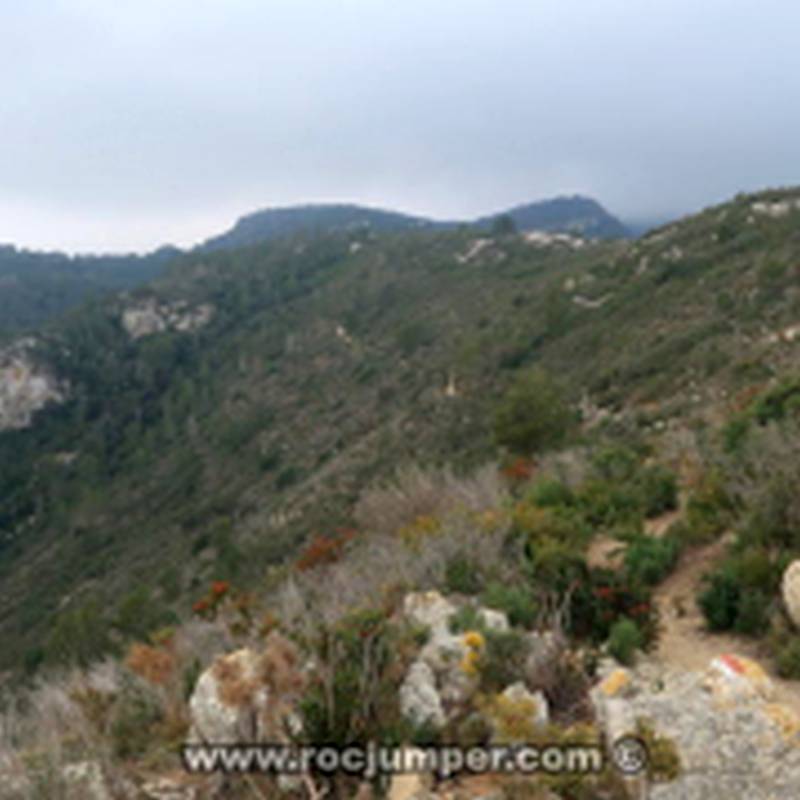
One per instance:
(125, 126)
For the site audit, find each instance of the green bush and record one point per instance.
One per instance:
(708, 510)
(516, 601)
(649, 560)
(624, 640)
(752, 617)
(788, 659)
(463, 576)
(658, 489)
(503, 659)
(720, 600)
(466, 619)
(534, 415)
(606, 502)
(549, 492)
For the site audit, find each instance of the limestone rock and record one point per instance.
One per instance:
(149, 316)
(732, 678)
(419, 697)
(494, 620)
(429, 609)
(729, 740)
(791, 591)
(224, 698)
(25, 387)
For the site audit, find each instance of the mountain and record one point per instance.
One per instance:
(36, 287)
(203, 426)
(269, 224)
(579, 215)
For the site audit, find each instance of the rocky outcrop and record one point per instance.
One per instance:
(777, 208)
(25, 387)
(547, 239)
(149, 316)
(790, 586)
(419, 697)
(727, 736)
(247, 696)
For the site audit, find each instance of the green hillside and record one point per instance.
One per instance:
(211, 450)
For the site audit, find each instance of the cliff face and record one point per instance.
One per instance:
(149, 317)
(25, 388)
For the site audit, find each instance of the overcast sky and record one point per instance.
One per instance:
(128, 125)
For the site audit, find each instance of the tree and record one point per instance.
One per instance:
(533, 415)
(504, 225)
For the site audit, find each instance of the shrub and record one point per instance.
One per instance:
(708, 510)
(517, 602)
(606, 502)
(466, 619)
(720, 600)
(323, 550)
(604, 598)
(502, 659)
(534, 415)
(624, 640)
(649, 560)
(156, 665)
(752, 617)
(550, 492)
(658, 490)
(462, 575)
(788, 659)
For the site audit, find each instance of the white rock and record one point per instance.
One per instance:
(25, 388)
(228, 701)
(519, 693)
(429, 609)
(419, 698)
(494, 620)
(149, 317)
(790, 586)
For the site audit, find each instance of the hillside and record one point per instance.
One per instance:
(215, 419)
(361, 450)
(36, 287)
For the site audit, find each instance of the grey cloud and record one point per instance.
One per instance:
(125, 125)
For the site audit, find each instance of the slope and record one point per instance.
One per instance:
(217, 418)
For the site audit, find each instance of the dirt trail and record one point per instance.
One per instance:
(685, 643)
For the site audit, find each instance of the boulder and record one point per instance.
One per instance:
(723, 734)
(247, 696)
(419, 698)
(494, 620)
(790, 586)
(732, 679)
(429, 609)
